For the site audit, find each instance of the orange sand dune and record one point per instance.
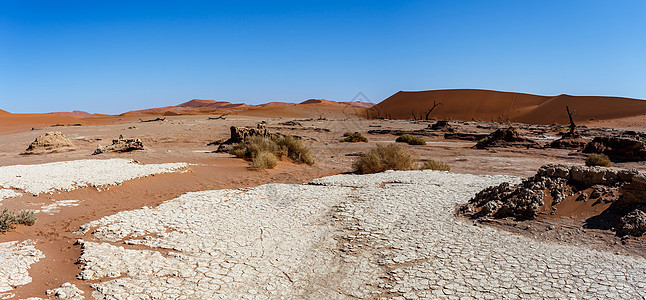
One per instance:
(195, 106)
(21, 122)
(312, 108)
(485, 105)
(78, 113)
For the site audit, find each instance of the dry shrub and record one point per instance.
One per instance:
(8, 220)
(264, 160)
(598, 160)
(410, 139)
(295, 150)
(26, 217)
(435, 165)
(382, 158)
(288, 146)
(350, 137)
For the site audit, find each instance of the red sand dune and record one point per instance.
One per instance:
(313, 108)
(78, 113)
(358, 103)
(4, 112)
(195, 106)
(485, 105)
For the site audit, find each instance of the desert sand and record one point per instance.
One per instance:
(206, 223)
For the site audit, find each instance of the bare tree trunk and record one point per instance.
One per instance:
(572, 125)
(431, 109)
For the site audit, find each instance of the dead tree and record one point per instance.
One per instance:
(572, 125)
(431, 109)
(220, 117)
(153, 120)
(412, 112)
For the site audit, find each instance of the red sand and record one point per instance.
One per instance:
(77, 113)
(484, 105)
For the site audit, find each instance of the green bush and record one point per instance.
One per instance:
(264, 160)
(350, 137)
(410, 139)
(435, 165)
(598, 160)
(8, 220)
(382, 158)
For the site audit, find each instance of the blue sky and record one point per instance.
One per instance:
(115, 56)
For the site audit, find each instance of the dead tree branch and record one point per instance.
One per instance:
(435, 104)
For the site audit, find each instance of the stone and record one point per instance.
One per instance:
(120, 145)
(633, 223)
(50, 142)
(506, 138)
(627, 149)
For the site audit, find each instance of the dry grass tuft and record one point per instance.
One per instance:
(288, 146)
(295, 150)
(382, 158)
(350, 137)
(264, 160)
(598, 160)
(8, 220)
(410, 139)
(435, 165)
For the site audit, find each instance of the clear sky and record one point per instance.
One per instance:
(114, 56)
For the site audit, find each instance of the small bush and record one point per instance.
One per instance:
(382, 158)
(598, 160)
(295, 150)
(435, 165)
(264, 160)
(350, 137)
(26, 217)
(8, 220)
(410, 139)
(288, 146)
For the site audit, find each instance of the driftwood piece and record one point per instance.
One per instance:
(153, 120)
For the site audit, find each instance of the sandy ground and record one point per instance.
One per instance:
(185, 139)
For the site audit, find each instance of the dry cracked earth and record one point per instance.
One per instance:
(388, 235)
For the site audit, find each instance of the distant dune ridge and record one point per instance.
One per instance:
(457, 104)
(78, 113)
(308, 108)
(486, 105)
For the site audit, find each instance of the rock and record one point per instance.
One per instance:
(240, 134)
(66, 291)
(120, 145)
(50, 142)
(635, 191)
(465, 136)
(589, 176)
(506, 138)
(524, 200)
(442, 126)
(569, 142)
(557, 171)
(291, 123)
(633, 223)
(627, 149)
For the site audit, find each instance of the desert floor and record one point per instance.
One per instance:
(384, 235)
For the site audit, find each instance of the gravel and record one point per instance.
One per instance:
(70, 175)
(386, 235)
